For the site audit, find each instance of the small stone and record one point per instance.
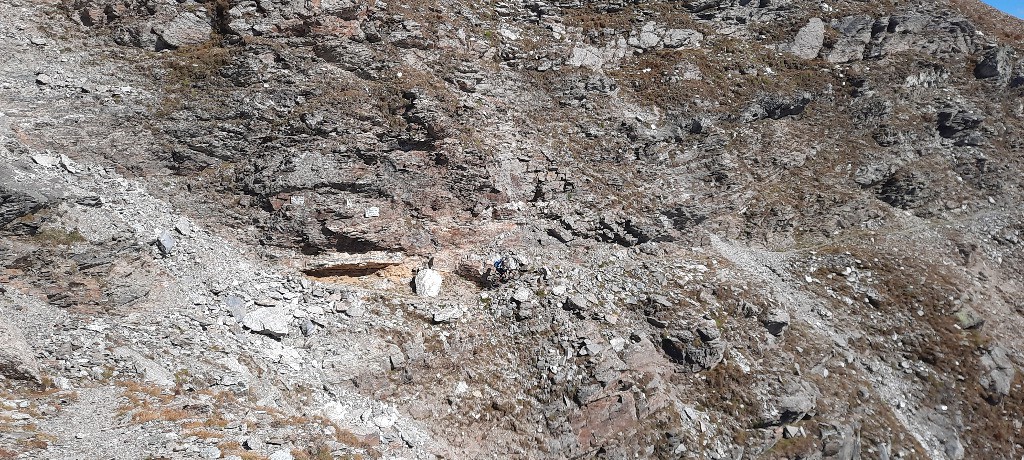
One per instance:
(522, 294)
(185, 29)
(396, 359)
(776, 321)
(372, 211)
(38, 41)
(166, 243)
(43, 79)
(307, 327)
(576, 303)
(236, 306)
(790, 431)
(617, 343)
(428, 283)
(68, 164)
(794, 407)
(356, 310)
(809, 39)
(997, 373)
(253, 442)
(17, 361)
(385, 420)
(183, 227)
(994, 63)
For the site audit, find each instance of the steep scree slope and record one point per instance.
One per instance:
(726, 229)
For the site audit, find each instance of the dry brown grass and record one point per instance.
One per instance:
(203, 433)
(234, 448)
(991, 21)
(730, 391)
(192, 64)
(216, 421)
(909, 285)
(798, 447)
(148, 403)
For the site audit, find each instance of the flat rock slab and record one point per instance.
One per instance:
(272, 321)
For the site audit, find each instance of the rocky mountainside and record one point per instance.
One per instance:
(723, 229)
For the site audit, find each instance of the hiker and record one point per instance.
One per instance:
(506, 267)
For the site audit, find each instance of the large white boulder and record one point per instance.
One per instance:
(428, 283)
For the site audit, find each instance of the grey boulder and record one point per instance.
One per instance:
(776, 321)
(17, 361)
(185, 29)
(998, 373)
(809, 39)
(994, 63)
(272, 321)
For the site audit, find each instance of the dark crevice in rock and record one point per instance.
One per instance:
(355, 270)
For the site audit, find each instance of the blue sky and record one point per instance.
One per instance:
(1014, 7)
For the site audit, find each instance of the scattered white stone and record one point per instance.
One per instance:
(372, 211)
(386, 420)
(617, 343)
(522, 294)
(210, 453)
(17, 360)
(45, 160)
(68, 164)
(281, 455)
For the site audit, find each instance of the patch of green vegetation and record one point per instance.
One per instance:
(58, 237)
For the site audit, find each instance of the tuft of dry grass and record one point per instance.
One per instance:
(144, 415)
